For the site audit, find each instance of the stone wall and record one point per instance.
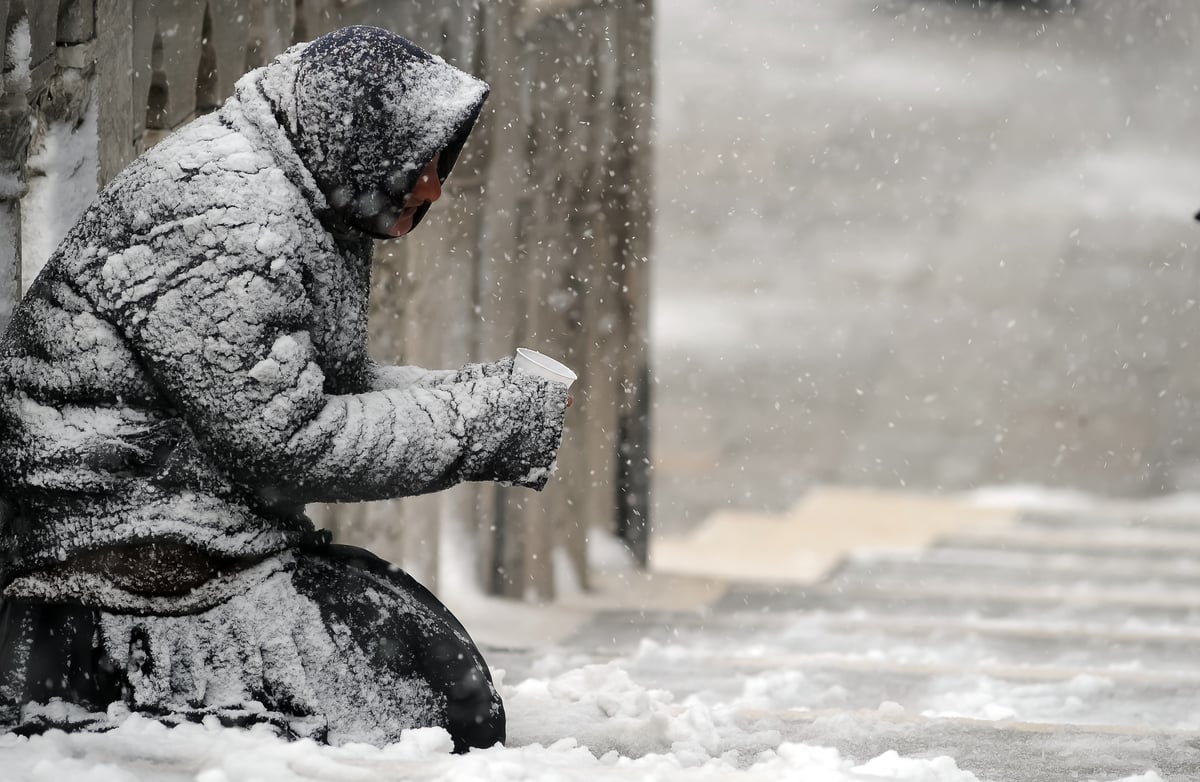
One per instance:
(544, 240)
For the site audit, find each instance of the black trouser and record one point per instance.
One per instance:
(338, 645)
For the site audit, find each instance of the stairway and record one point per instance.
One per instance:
(1026, 646)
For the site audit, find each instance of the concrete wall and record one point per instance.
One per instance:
(543, 242)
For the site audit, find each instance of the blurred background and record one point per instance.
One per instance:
(932, 245)
(904, 245)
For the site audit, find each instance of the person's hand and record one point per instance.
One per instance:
(570, 399)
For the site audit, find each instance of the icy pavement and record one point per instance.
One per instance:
(1059, 647)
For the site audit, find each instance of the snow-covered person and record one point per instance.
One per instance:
(190, 369)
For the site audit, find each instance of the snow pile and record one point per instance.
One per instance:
(986, 698)
(589, 722)
(604, 709)
(599, 702)
(144, 750)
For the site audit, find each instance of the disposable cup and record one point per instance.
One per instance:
(534, 363)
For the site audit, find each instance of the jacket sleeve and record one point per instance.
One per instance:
(231, 349)
(383, 377)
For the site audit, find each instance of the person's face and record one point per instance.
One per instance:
(427, 190)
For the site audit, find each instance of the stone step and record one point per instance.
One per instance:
(805, 544)
(1168, 699)
(1154, 560)
(928, 578)
(1047, 696)
(1114, 542)
(906, 639)
(1165, 522)
(999, 751)
(1046, 646)
(1034, 603)
(986, 564)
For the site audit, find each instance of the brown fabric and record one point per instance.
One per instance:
(153, 569)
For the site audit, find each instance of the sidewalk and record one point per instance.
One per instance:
(1022, 645)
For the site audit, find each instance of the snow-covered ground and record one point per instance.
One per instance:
(575, 722)
(588, 723)
(764, 682)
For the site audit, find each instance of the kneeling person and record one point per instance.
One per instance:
(190, 369)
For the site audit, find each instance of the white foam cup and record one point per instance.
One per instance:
(534, 363)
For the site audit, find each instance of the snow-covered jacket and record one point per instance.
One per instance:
(191, 364)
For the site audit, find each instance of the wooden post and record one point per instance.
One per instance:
(597, 265)
(231, 23)
(14, 145)
(634, 189)
(498, 295)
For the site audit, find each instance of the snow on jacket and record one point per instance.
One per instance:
(191, 364)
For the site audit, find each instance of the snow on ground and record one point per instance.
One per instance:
(572, 720)
(625, 731)
(673, 710)
(209, 754)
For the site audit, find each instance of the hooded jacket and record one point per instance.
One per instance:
(191, 364)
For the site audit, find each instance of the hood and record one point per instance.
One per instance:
(366, 110)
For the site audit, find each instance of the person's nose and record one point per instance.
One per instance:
(428, 187)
